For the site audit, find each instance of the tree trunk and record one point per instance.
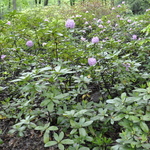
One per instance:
(45, 2)
(38, 2)
(59, 2)
(112, 2)
(9, 4)
(2, 11)
(14, 5)
(72, 2)
(35, 2)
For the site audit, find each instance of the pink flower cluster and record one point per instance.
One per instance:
(91, 61)
(95, 40)
(70, 23)
(3, 56)
(29, 43)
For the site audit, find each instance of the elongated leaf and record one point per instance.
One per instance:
(82, 132)
(87, 123)
(147, 146)
(52, 128)
(45, 69)
(60, 146)
(73, 131)
(82, 120)
(61, 96)
(50, 143)
(146, 117)
(40, 128)
(140, 90)
(116, 147)
(119, 117)
(144, 127)
(50, 106)
(81, 112)
(1, 141)
(74, 124)
(134, 119)
(67, 141)
(56, 137)
(46, 137)
(89, 138)
(57, 68)
(61, 136)
(110, 101)
(84, 148)
(45, 102)
(123, 96)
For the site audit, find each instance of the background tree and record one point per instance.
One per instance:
(72, 2)
(14, 3)
(45, 2)
(59, 2)
(112, 3)
(38, 2)
(9, 4)
(137, 6)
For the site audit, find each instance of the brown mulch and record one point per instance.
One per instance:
(32, 140)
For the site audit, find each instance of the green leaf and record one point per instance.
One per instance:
(89, 138)
(61, 96)
(82, 132)
(57, 68)
(46, 137)
(67, 141)
(87, 123)
(140, 90)
(81, 112)
(1, 141)
(45, 102)
(46, 125)
(45, 69)
(118, 117)
(146, 97)
(95, 148)
(82, 120)
(111, 101)
(146, 146)
(134, 119)
(60, 146)
(50, 143)
(116, 147)
(74, 124)
(1, 88)
(61, 136)
(69, 113)
(73, 131)
(146, 117)
(52, 128)
(97, 117)
(56, 137)
(144, 127)
(123, 96)
(40, 128)
(50, 107)
(84, 148)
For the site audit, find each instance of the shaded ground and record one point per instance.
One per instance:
(31, 141)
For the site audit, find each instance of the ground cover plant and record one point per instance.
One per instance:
(77, 80)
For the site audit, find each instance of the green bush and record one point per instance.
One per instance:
(50, 86)
(137, 6)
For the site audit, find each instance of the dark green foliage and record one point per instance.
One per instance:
(50, 87)
(137, 6)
